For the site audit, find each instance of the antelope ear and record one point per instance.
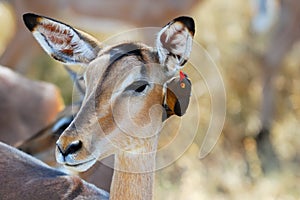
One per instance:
(61, 41)
(174, 43)
(177, 95)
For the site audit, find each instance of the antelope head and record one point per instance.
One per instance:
(129, 88)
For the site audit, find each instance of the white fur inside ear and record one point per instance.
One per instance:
(65, 43)
(174, 45)
(42, 41)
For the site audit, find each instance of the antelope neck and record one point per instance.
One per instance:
(134, 174)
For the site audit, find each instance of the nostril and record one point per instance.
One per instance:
(73, 147)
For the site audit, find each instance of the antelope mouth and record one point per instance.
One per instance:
(82, 166)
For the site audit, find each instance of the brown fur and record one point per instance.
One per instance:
(26, 106)
(24, 177)
(141, 183)
(122, 110)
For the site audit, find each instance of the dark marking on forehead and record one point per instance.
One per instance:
(117, 53)
(122, 50)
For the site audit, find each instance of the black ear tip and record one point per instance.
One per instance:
(188, 22)
(30, 20)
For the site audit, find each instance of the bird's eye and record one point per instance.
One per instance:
(138, 86)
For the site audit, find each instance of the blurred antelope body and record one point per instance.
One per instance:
(24, 177)
(19, 97)
(131, 89)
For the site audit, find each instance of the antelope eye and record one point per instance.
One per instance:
(138, 86)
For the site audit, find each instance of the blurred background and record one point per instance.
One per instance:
(255, 46)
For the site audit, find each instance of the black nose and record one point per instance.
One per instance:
(71, 148)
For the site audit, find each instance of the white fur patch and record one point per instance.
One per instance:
(174, 40)
(65, 43)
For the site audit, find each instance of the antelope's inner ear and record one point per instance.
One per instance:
(61, 41)
(174, 43)
(177, 95)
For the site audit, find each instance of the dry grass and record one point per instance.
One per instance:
(223, 28)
